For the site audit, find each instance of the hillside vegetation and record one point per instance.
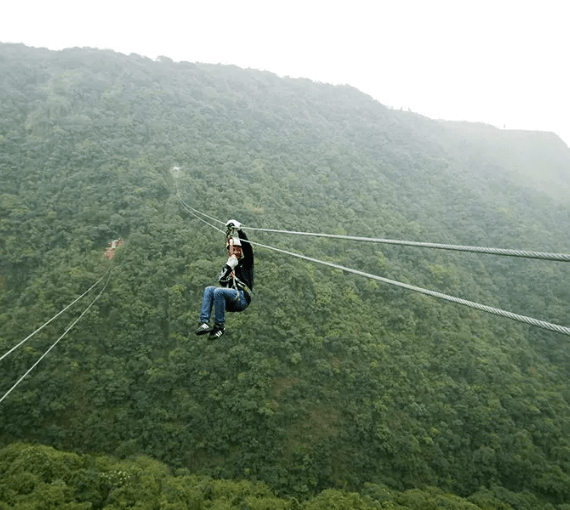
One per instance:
(328, 381)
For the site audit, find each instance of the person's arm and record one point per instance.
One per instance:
(226, 272)
(246, 249)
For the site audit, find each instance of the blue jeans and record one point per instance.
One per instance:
(223, 299)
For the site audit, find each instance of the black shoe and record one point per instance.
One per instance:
(217, 332)
(203, 328)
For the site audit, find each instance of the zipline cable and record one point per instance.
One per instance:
(561, 257)
(489, 309)
(57, 341)
(190, 209)
(471, 304)
(193, 212)
(54, 317)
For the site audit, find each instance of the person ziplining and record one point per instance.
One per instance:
(497, 251)
(236, 280)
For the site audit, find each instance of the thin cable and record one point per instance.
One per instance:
(190, 209)
(56, 342)
(560, 257)
(54, 317)
(471, 304)
(496, 311)
(196, 211)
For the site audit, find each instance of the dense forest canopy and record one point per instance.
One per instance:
(329, 385)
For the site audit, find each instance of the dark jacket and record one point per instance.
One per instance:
(243, 271)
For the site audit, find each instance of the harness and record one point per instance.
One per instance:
(239, 285)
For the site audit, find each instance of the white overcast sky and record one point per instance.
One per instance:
(502, 62)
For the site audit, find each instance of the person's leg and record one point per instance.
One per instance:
(221, 296)
(237, 305)
(227, 299)
(207, 303)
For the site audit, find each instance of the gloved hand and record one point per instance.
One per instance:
(233, 224)
(232, 261)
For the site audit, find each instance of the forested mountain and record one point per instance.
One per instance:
(328, 380)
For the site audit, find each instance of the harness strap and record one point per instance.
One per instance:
(242, 286)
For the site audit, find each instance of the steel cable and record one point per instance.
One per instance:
(56, 342)
(489, 309)
(560, 257)
(471, 304)
(54, 317)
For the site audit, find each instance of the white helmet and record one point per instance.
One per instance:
(234, 241)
